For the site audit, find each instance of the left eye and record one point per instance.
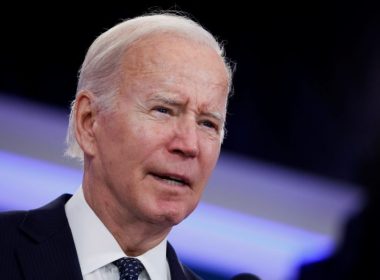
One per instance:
(209, 124)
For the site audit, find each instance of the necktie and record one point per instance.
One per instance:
(129, 268)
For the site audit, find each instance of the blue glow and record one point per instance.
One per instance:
(212, 237)
(28, 183)
(237, 242)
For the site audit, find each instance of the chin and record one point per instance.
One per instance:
(172, 219)
(169, 212)
(179, 215)
(172, 216)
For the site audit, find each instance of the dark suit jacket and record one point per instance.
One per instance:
(38, 244)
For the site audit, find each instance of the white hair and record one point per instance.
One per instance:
(102, 67)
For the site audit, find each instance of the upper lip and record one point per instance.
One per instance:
(183, 178)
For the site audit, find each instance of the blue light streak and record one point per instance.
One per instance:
(213, 237)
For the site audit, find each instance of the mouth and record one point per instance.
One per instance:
(172, 179)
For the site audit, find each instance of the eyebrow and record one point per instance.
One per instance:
(215, 115)
(175, 102)
(166, 100)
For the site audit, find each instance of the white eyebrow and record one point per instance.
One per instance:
(215, 115)
(166, 100)
(175, 102)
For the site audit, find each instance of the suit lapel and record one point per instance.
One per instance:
(177, 270)
(49, 252)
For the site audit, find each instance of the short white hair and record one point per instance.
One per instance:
(102, 67)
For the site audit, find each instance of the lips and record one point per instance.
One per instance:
(172, 179)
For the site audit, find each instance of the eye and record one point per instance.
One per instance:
(209, 124)
(162, 110)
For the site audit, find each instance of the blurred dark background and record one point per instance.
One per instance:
(307, 88)
(306, 85)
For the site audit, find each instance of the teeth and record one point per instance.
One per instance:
(175, 179)
(171, 180)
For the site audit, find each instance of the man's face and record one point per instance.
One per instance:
(157, 149)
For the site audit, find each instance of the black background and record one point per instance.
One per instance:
(306, 86)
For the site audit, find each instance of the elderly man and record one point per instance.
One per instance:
(148, 122)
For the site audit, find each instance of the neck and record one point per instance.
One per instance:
(134, 236)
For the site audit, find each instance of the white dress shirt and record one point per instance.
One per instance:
(97, 248)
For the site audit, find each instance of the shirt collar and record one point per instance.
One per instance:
(96, 246)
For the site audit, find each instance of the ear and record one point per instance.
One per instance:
(84, 121)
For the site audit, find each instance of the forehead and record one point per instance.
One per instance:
(174, 58)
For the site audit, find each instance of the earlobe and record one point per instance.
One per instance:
(85, 113)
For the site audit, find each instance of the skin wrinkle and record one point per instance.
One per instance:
(174, 96)
(173, 101)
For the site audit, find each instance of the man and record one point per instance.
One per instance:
(148, 122)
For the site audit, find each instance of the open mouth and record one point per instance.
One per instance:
(174, 180)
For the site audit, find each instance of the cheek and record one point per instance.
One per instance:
(138, 141)
(210, 158)
(153, 135)
(146, 137)
(118, 141)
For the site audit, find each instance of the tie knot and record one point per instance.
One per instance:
(129, 268)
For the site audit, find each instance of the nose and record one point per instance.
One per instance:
(185, 139)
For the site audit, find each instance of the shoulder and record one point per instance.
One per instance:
(9, 223)
(14, 224)
(10, 239)
(11, 217)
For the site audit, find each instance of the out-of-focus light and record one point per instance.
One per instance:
(28, 183)
(211, 238)
(232, 242)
